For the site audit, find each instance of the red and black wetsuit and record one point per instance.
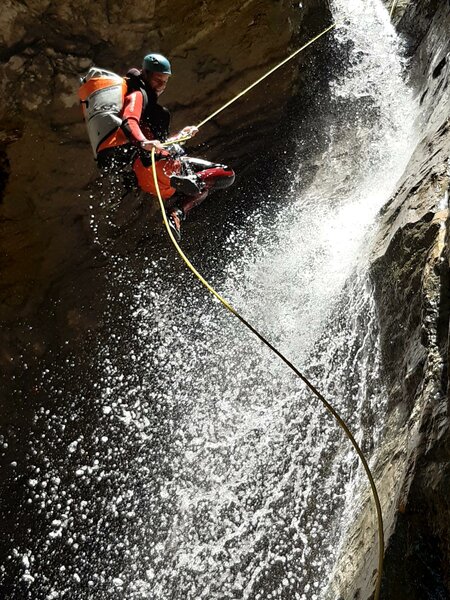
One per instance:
(144, 119)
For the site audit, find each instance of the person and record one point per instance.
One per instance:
(184, 182)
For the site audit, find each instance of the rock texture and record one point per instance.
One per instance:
(410, 272)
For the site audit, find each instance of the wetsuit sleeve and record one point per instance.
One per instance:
(132, 113)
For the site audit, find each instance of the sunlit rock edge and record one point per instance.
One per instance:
(410, 272)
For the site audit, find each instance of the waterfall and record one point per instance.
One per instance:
(205, 469)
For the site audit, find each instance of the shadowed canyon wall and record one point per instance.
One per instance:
(53, 275)
(411, 274)
(47, 164)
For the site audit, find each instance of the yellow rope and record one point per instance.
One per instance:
(392, 7)
(228, 306)
(175, 243)
(283, 62)
(184, 138)
(327, 405)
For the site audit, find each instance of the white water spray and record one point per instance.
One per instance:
(214, 472)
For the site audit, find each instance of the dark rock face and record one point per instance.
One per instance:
(411, 275)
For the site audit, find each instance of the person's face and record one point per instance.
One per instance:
(157, 81)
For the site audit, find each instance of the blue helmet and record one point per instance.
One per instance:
(156, 63)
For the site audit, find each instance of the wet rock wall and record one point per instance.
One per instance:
(410, 275)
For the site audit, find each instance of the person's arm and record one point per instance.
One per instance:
(131, 116)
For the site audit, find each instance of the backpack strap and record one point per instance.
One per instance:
(135, 83)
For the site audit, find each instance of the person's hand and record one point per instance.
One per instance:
(160, 151)
(150, 144)
(190, 130)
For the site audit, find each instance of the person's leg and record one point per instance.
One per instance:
(218, 177)
(198, 177)
(208, 175)
(187, 203)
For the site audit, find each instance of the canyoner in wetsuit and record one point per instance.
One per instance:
(145, 125)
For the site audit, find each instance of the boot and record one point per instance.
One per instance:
(189, 185)
(175, 218)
